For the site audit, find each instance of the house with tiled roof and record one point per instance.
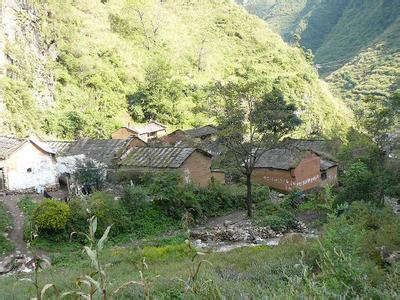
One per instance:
(147, 132)
(203, 133)
(286, 169)
(194, 164)
(26, 164)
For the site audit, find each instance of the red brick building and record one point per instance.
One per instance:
(288, 169)
(150, 131)
(194, 164)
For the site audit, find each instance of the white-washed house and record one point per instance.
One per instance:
(26, 164)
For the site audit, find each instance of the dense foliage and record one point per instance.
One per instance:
(51, 215)
(355, 42)
(348, 260)
(153, 59)
(5, 225)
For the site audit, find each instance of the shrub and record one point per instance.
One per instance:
(294, 199)
(90, 175)
(152, 221)
(51, 215)
(169, 252)
(79, 216)
(274, 216)
(134, 198)
(359, 184)
(104, 206)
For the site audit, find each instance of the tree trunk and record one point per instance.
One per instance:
(249, 200)
(381, 177)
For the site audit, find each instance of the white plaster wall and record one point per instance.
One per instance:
(68, 164)
(43, 167)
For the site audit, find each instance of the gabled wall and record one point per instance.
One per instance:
(196, 169)
(307, 173)
(122, 134)
(29, 167)
(305, 176)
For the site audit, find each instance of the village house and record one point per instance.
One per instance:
(150, 131)
(105, 153)
(325, 149)
(288, 169)
(26, 165)
(207, 132)
(194, 164)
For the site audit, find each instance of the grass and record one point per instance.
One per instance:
(6, 245)
(239, 271)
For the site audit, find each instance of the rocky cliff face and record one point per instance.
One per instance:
(24, 54)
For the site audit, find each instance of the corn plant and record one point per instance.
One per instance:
(145, 281)
(96, 283)
(38, 263)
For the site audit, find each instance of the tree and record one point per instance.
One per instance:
(359, 184)
(157, 98)
(251, 122)
(378, 118)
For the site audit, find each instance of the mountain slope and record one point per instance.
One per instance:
(107, 56)
(355, 42)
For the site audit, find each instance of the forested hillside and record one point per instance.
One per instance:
(356, 42)
(97, 60)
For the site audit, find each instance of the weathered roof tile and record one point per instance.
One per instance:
(158, 157)
(102, 151)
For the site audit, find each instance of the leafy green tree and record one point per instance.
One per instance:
(90, 175)
(378, 118)
(157, 98)
(359, 184)
(251, 122)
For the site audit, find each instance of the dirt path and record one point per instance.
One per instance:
(18, 218)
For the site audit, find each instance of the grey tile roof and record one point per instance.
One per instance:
(58, 146)
(327, 164)
(102, 151)
(158, 157)
(8, 145)
(201, 131)
(283, 159)
(148, 128)
(324, 148)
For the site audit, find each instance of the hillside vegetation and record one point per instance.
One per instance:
(154, 60)
(356, 43)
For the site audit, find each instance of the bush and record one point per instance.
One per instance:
(274, 216)
(51, 215)
(169, 252)
(78, 221)
(134, 198)
(106, 209)
(359, 184)
(294, 199)
(90, 175)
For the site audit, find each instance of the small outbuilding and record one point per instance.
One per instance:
(150, 131)
(26, 165)
(103, 152)
(207, 132)
(194, 164)
(288, 169)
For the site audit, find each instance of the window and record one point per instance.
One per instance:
(29, 170)
(324, 176)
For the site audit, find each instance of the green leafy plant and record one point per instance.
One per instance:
(96, 283)
(51, 215)
(38, 263)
